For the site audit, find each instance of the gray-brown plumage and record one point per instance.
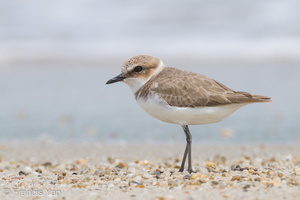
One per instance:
(149, 79)
(193, 90)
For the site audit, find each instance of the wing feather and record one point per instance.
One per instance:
(193, 90)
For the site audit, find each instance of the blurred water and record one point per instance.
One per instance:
(213, 31)
(73, 103)
(55, 57)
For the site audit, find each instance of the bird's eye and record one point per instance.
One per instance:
(138, 69)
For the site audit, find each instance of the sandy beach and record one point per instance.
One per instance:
(67, 135)
(48, 170)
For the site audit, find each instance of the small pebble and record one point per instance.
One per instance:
(99, 173)
(38, 170)
(236, 178)
(211, 164)
(22, 173)
(215, 182)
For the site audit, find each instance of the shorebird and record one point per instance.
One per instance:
(180, 97)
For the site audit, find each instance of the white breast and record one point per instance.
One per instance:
(184, 115)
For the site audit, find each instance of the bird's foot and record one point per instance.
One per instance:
(191, 170)
(181, 170)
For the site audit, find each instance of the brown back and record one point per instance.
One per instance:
(193, 90)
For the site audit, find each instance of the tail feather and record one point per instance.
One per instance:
(244, 97)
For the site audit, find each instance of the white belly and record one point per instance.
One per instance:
(187, 116)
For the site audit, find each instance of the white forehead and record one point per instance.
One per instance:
(127, 68)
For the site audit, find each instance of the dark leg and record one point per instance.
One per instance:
(184, 158)
(188, 150)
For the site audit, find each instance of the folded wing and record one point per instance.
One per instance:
(193, 90)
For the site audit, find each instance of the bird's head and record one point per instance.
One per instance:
(137, 71)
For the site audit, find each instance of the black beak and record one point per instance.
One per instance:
(118, 78)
